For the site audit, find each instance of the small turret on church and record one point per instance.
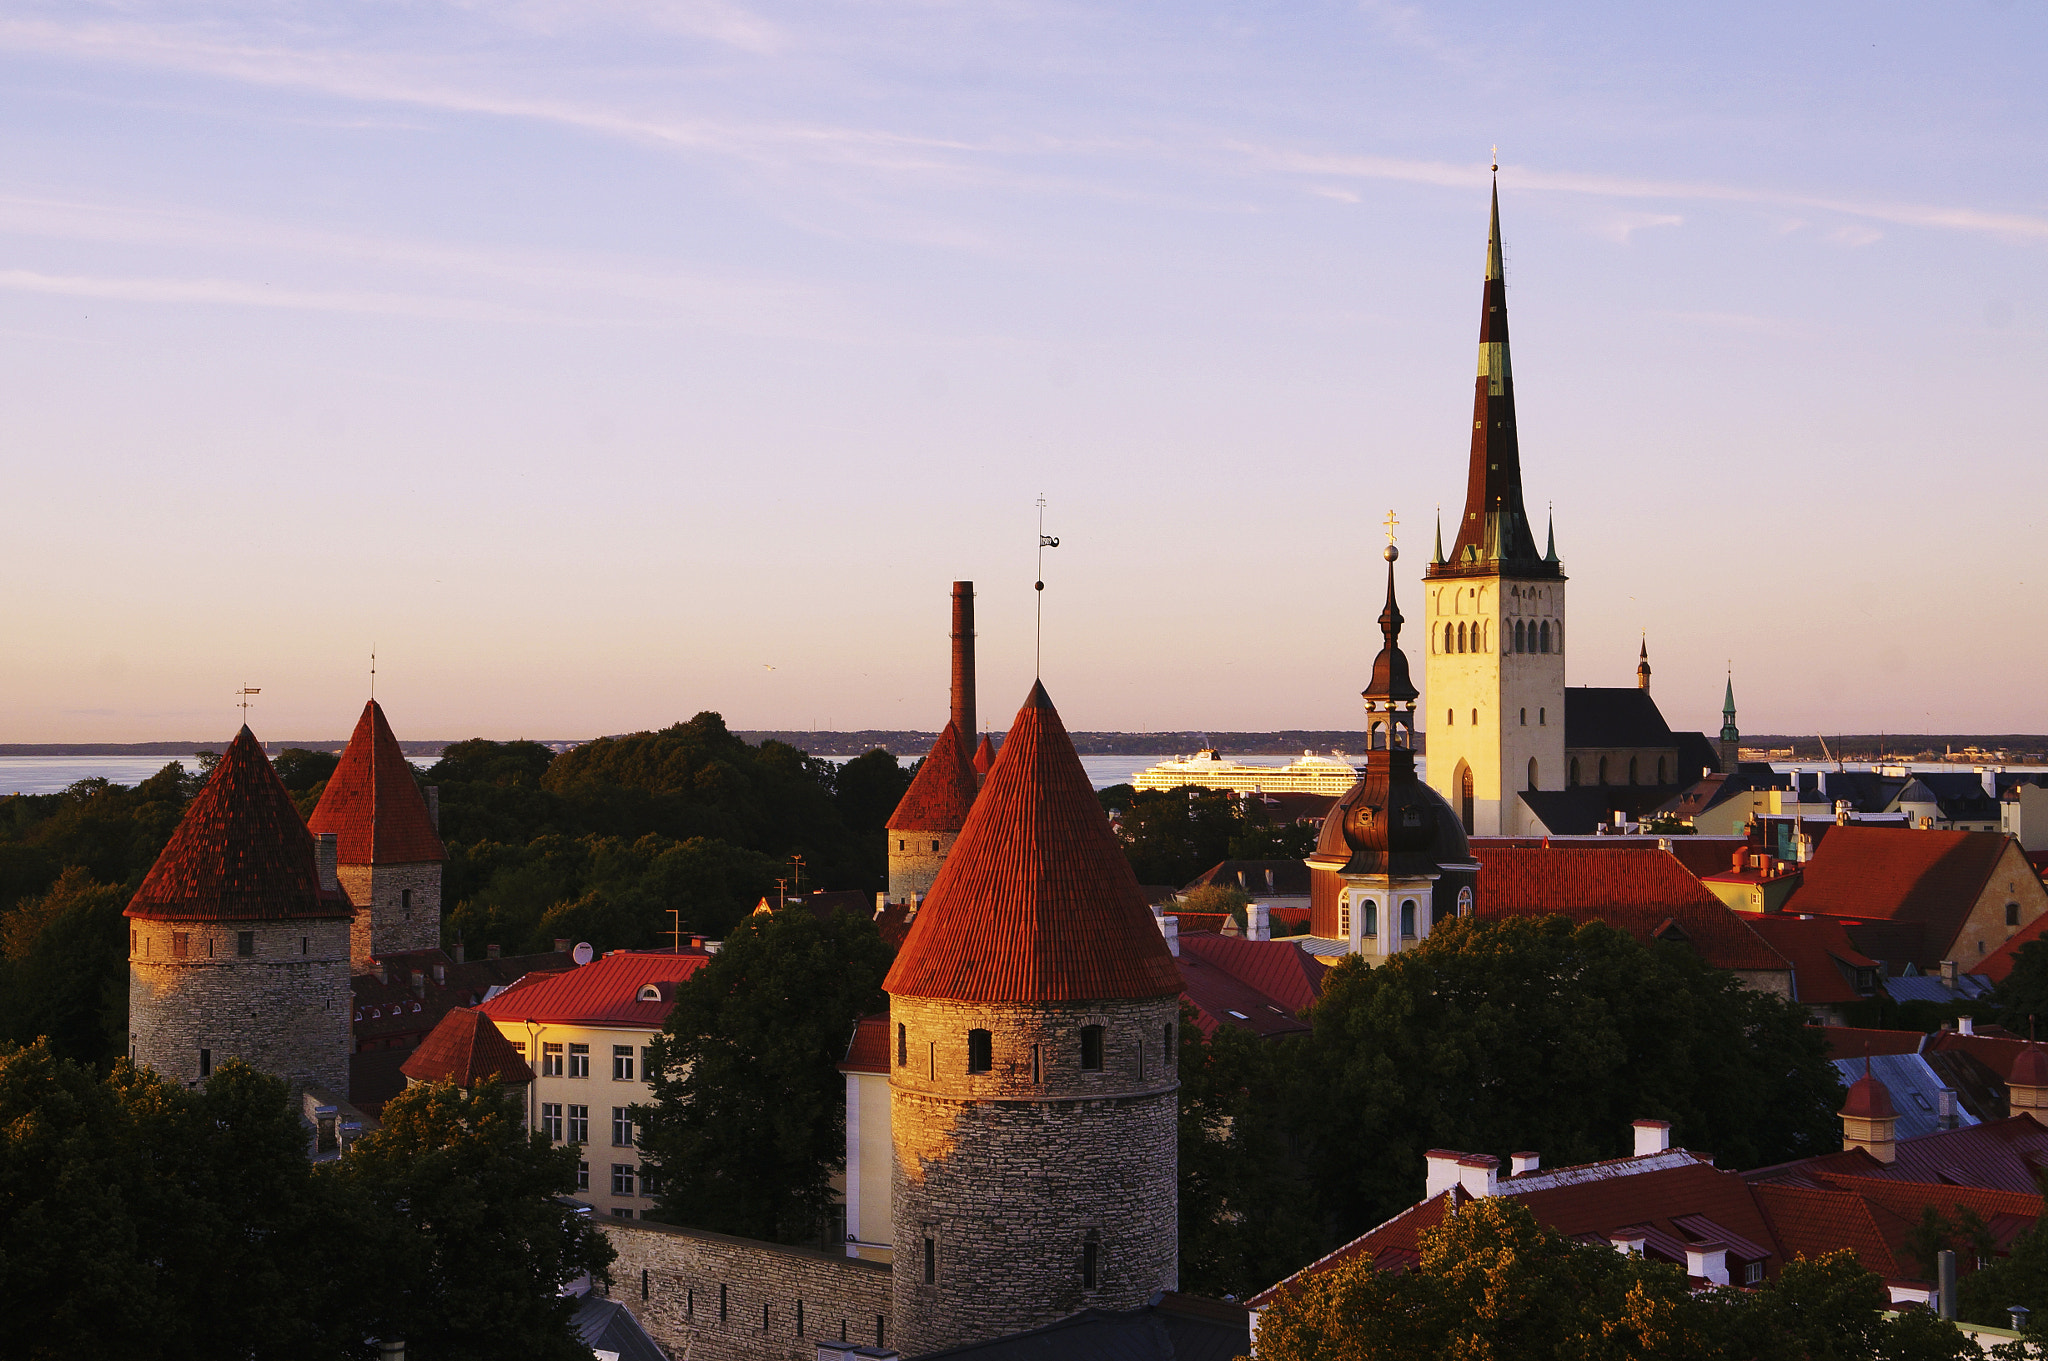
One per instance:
(1731, 738)
(1643, 666)
(388, 841)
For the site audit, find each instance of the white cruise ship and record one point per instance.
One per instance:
(1308, 774)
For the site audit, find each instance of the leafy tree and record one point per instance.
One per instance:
(470, 1236)
(63, 970)
(300, 769)
(1246, 1218)
(2020, 1277)
(867, 790)
(1496, 1034)
(748, 1119)
(1224, 900)
(502, 765)
(2023, 995)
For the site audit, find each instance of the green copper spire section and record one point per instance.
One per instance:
(1439, 536)
(1728, 732)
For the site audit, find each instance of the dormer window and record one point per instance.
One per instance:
(649, 993)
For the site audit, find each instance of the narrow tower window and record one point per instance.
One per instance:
(1542, 717)
(1532, 772)
(1450, 637)
(1465, 798)
(1408, 920)
(1091, 1260)
(931, 1260)
(1572, 778)
(1091, 1048)
(1543, 637)
(980, 1051)
(1166, 1048)
(405, 902)
(1372, 920)
(1461, 637)
(1518, 635)
(1525, 718)
(902, 1045)
(1632, 770)
(1034, 1064)
(206, 1063)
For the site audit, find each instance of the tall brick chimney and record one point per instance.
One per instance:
(963, 662)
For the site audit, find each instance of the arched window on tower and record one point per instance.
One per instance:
(1518, 635)
(1543, 637)
(1450, 638)
(1465, 902)
(1371, 920)
(1465, 798)
(1379, 736)
(1572, 775)
(1632, 770)
(1532, 772)
(1461, 637)
(1408, 919)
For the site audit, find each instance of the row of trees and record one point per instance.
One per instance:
(1172, 835)
(150, 1221)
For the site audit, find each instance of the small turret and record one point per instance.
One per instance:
(1868, 1120)
(1731, 740)
(1643, 665)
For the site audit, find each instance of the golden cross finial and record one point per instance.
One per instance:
(1496, 158)
(1391, 522)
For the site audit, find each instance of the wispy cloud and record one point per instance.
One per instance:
(237, 293)
(1622, 227)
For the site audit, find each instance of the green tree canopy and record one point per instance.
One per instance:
(1172, 835)
(1497, 1034)
(64, 970)
(748, 1119)
(301, 770)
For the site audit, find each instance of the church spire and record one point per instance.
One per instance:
(1731, 739)
(1495, 528)
(1643, 664)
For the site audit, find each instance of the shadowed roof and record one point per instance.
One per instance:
(464, 1049)
(1824, 962)
(1037, 902)
(941, 792)
(373, 805)
(1903, 875)
(240, 853)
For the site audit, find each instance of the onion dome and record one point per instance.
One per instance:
(2030, 1069)
(1868, 1099)
(941, 792)
(241, 852)
(985, 756)
(1037, 902)
(373, 804)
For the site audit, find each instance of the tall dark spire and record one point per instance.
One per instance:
(1494, 531)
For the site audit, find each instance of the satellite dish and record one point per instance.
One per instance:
(582, 954)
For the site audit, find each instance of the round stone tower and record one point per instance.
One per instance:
(1034, 1018)
(238, 941)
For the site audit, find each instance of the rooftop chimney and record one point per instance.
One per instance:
(1524, 1162)
(1258, 922)
(561, 945)
(881, 904)
(1631, 1240)
(1479, 1174)
(1443, 1171)
(1966, 1025)
(458, 952)
(1946, 1109)
(419, 982)
(325, 852)
(1948, 974)
(383, 973)
(1169, 927)
(490, 952)
(1652, 1136)
(1707, 1261)
(963, 664)
(441, 975)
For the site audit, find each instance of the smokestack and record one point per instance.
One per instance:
(963, 663)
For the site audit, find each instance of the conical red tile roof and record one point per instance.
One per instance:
(985, 756)
(1036, 903)
(241, 852)
(372, 803)
(941, 793)
(464, 1049)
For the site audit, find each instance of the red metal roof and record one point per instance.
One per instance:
(1900, 874)
(372, 803)
(1036, 902)
(1819, 950)
(464, 1049)
(240, 853)
(1646, 893)
(868, 1050)
(604, 992)
(942, 791)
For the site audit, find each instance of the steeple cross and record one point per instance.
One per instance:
(1391, 522)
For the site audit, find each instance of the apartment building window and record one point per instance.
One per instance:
(551, 1060)
(583, 1176)
(649, 1185)
(245, 943)
(579, 1060)
(1091, 1048)
(622, 1063)
(181, 941)
(622, 1127)
(980, 1051)
(622, 1179)
(621, 1212)
(551, 1120)
(646, 1064)
(579, 1124)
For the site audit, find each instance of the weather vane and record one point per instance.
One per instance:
(373, 671)
(243, 695)
(1045, 541)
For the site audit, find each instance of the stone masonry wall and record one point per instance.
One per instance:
(385, 922)
(717, 1298)
(913, 869)
(284, 1010)
(1012, 1173)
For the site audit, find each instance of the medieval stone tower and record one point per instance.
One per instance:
(1034, 1011)
(239, 939)
(1495, 613)
(932, 811)
(389, 843)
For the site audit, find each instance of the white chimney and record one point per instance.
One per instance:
(1524, 1162)
(326, 853)
(1652, 1136)
(1258, 921)
(1948, 974)
(1443, 1171)
(1629, 1241)
(1479, 1174)
(1708, 1261)
(1990, 778)
(1169, 927)
(1945, 1109)
(881, 904)
(1966, 1025)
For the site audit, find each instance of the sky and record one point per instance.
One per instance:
(598, 362)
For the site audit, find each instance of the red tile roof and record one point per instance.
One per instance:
(1896, 874)
(1996, 965)
(1997, 1052)
(465, 1049)
(1646, 893)
(1819, 949)
(604, 992)
(1848, 1042)
(1280, 969)
(1999, 1155)
(373, 805)
(942, 791)
(985, 756)
(1220, 998)
(868, 1050)
(1037, 902)
(1812, 1221)
(1703, 855)
(240, 853)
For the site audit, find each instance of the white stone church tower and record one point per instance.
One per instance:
(1495, 616)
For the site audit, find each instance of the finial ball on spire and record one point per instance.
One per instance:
(1390, 553)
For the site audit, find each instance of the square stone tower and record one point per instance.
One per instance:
(390, 851)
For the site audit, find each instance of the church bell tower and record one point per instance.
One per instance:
(1494, 610)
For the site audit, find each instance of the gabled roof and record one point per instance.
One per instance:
(390, 1012)
(1221, 996)
(373, 805)
(942, 791)
(1850, 1042)
(1702, 855)
(240, 853)
(604, 992)
(1996, 965)
(1645, 893)
(1583, 809)
(1613, 716)
(1900, 874)
(1824, 962)
(465, 1048)
(1998, 1155)
(1279, 969)
(1037, 902)
(868, 1050)
(1288, 878)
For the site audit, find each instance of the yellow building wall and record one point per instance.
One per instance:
(599, 1094)
(870, 1165)
(2013, 881)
